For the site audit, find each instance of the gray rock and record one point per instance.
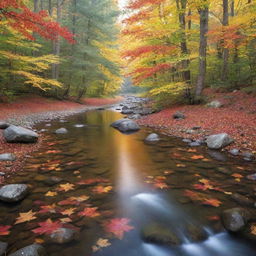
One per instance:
(7, 157)
(52, 180)
(158, 234)
(152, 137)
(215, 104)
(63, 235)
(217, 155)
(4, 125)
(234, 152)
(2, 173)
(135, 116)
(127, 111)
(248, 156)
(61, 131)
(194, 144)
(187, 140)
(18, 134)
(3, 247)
(125, 125)
(178, 115)
(251, 176)
(13, 192)
(79, 125)
(234, 219)
(218, 141)
(196, 233)
(31, 250)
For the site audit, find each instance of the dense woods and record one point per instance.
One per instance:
(177, 48)
(63, 47)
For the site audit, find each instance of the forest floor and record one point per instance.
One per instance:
(26, 111)
(237, 117)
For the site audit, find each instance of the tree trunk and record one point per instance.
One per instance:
(204, 18)
(225, 55)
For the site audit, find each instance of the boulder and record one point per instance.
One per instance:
(7, 157)
(196, 233)
(127, 111)
(158, 234)
(125, 125)
(217, 155)
(218, 141)
(4, 125)
(235, 219)
(18, 134)
(178, 115)
(3, 247)
(61, 131)
(152, 137)
(13, 192)
(63, 235)
(234, 151)
(215, 104)
(135, 116)
(31, 250)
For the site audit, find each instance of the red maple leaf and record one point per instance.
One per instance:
(47, 227)
(118, 227)
(4, 230)
(90, 212)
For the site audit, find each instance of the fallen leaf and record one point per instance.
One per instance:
(66, 187)
(51, 193)
(101, 243)
(68, 212)
(212, 202)
(118, 227)
(91, 212)
(101, 189)
(196, 157)
(4, 230)
(47, 227)
(25, 216)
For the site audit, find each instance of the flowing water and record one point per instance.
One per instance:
(143, 184)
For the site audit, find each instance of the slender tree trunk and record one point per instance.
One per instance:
(225, 55)
(50, 7)
(204, 19)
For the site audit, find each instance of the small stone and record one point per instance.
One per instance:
(13, 192)
(61, 131)
(217, 155)
(242, 200)
(196, 128)
(251, 176)
(79, 125)
(152, 137)
(215, 104)
(126, 125)
(7, 157)
(234, 219)
(194, 144)
(178, 115)
(248, 156)
(234, 152)
(187, 140)
(3, 247)
(31, 250)
(63, 235)
(2, 173)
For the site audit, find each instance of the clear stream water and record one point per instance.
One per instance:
(127, 164)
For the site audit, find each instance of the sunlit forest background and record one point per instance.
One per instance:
(169, 49)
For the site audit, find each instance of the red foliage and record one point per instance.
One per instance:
(47, 227)
(22, 19)
(146, 72)
(237, 118)
(142, 15)
(4, 230)
(156, 49)
(136, 4)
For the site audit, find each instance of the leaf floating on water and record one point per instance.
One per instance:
(25, 217)
(51, 193)
(91, 212)
(65, 220)
(212, 202)
(180, 165)
(101, 243)
(192, 150)
(118, 227)
(48, 208)
(66, 187)
(101, 189)
(68, 212)
(47, 227)
(39, 241)
(196, 157)
(160, 185)
(92, 181)
(74, 200)
(4, 230)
